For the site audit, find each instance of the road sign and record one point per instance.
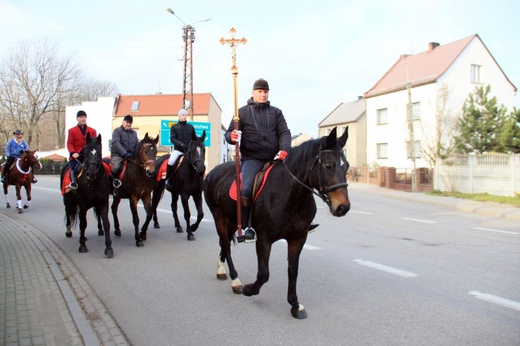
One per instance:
(199, 127)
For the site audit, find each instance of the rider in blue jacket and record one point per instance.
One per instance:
(14, 149)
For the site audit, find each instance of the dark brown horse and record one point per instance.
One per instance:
(93, 192)
(187, 182)
(138, 183)
(283, 210)
(21, 174)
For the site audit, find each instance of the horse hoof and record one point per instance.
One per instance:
(299, 313)
(222, 277)
(139, 244)
(156, 225)
(191, 237)
(83, 249)
(117, 232)
(237, 289)
(20, 211)
(8, 205)
(109, 253)
(25, 206)
(100, 232)
(179, 230)
(246, 290)
(68, 234)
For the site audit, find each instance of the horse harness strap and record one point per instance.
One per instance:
(321, 193)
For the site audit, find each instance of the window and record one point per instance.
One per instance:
(135, 106)
(410, 149)
(382, 150)
(475, 73)
(382, 116)
(416, 111)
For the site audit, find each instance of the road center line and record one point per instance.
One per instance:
(391, 270)
(361, 212)
(496, 300)
(494, 230)
(418, 220)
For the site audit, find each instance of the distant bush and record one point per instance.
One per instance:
(51, 167)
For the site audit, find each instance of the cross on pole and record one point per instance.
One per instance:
(233, 43)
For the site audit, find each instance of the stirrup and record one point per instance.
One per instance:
(34, 180)
(117, 183)
(73, 185)
(250, 235)
(168, 184)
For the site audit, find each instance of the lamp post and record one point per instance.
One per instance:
(188, 36)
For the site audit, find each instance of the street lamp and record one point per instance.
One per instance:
(188, 36)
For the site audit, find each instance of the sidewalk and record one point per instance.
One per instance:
(44, 300)
(485, 208)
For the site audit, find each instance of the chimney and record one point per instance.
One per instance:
(432, 46)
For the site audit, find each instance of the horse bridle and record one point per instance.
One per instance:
(142, 165)
(321, 193)
(193, 163)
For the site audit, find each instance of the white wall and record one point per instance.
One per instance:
(99, 117)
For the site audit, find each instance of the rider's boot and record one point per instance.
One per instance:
(73, 185)
(249, 233)
(168, 183)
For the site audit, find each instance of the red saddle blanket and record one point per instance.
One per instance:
(161, 174)
(260, 179)
(66, 178)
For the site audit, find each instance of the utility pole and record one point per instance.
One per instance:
(188, 37)
(410, 127)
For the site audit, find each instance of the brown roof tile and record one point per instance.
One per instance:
(421, 68)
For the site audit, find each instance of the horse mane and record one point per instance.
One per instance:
(303, 152)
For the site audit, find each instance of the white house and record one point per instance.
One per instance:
(440, 80)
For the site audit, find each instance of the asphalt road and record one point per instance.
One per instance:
(390, 272)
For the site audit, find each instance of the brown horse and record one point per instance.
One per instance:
(283, 210)
(21, 174)
(138, 182)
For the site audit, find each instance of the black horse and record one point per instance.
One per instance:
(93, 192)
(283, 210)
(138, 183)
(187, 182)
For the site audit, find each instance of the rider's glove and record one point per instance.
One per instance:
(236, 136)
(282, 154)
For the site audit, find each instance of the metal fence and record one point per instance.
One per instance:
(495, 174)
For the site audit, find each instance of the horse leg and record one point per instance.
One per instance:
(7, 204)
(263, 252)
(197, 199)
(28, 193)
(102, 213)
(82, 227)
(225, 237)
(152, 212)
(19, 198)
(100, 226)
(175, 198)
(187, 216)
(115, 204)
(294, 249)
(135, 220)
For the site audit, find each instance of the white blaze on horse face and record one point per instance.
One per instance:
(93, 152)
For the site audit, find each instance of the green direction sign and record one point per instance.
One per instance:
(199, 127)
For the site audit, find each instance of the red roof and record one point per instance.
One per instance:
(160, 105)
(420, 69)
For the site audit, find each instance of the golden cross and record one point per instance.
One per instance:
(233, 43)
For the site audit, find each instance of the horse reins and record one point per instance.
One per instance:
(321, 193)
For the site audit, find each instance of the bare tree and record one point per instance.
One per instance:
(439, 135)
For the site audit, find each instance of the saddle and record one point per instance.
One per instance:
(161, 174)
(260, 179)
(66, 178)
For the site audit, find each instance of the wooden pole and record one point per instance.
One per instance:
(233, 42)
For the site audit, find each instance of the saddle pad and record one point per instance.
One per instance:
(161, 174)
(66, 182)
(260, 179)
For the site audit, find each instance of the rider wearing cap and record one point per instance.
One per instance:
(124, 144)
(76, 141)
(180, 135)
(13, 149)
(263, 135)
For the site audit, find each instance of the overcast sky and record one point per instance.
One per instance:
(314, 54)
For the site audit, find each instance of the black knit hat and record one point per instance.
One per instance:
(81, 114)
(128, 118)
(261, 84)
(18, 132)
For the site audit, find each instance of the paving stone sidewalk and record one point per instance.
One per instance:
(44, 299)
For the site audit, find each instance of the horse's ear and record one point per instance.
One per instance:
(343, 139)
(99, 138)
(203, 137)
(146, 137)
(331, 139)
(156, 140)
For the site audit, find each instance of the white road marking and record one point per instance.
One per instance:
(391, 270)
(306, 246)
(361, 212)
(494, 230)
(496, 300)
(418, 220)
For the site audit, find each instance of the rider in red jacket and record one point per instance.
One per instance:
(76, 141)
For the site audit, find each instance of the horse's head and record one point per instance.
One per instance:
(331, 168)
(93, 156)
(30, 159)
(196, 153)
(147, 154)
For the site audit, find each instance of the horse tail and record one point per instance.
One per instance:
(71, 213)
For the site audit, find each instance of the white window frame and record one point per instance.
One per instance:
(476, 73)
(382, 116)
(382, 150)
